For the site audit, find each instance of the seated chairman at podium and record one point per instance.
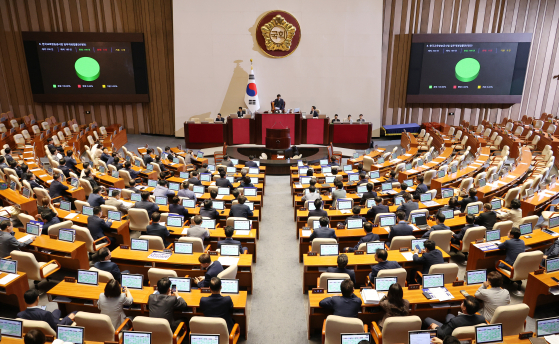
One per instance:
(313, 112)
(279, 104)
(241, 112)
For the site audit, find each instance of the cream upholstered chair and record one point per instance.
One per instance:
(36, 271)
(512, 317)
(229, 273)
(400, 273)
(315, 245)
(159, 329)
(155, 274)
(551, 129)
(395, 329)
(504, 227)
(462, 144)
(125, 175)
(401, 241)
(464, 332)
(139, 219)
(105, 209)
(335, 325)
(511, 194)
(197, 243)
(41, 194)
(86, 186)
(450, 271)
(421, 134)
(426, 147)
(53, 230)
(538, 124)
(442, 238)
(24, 219)
(418, 211)
(80, 204)
(486, 133)
(211, 325)
(154, 242)
(104, 276)
(92, 246)
(534, 144)
(39, 325)
(509, 126)
(458, 135)
(472, 234)
(98, 327)
(497, 144)
(325, 276)
(367, 163)
(533, 219)
(428, 176)
(311, 219)
(525, 263)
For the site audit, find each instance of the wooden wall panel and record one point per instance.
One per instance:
(153, 18)
(406, 17)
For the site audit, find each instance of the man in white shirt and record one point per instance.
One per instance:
(493, 297)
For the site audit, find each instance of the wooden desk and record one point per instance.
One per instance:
(455, 178)
(434, 164)
(71, 255)
(537, 290)
(85, 298)
(104, 178)
(137, 262)
(539, 201)
(121, 227)
(27, 205)
(374, 154)
(12, 293)
(45, 179)
(195, 161)
(391, 164)
(119, 139)
(360, 263)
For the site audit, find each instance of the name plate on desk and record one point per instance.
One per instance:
(303, 209)
(124, 247)
(212, 253)
(312, 254)
(49, 338)
(404, 249)
(357, 253)
(318, 290)
(22, 230)
(525, 335)
(205, 290)
(70, 279)
(538, 272)
(413, 286)
(458, 283)
(52, 236)
(479, 241)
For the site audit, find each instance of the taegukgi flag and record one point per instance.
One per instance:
(251, 94)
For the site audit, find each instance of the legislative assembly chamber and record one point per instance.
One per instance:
(334, 172)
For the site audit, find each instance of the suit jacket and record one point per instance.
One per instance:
(71, 163)
(323, 232)
(34, 184)
(218, 306)
(363, 181)
(367, 195)
(343, 306)
(465, 201)
(178, 209)
(46, 225)
(377, 209)
(105, 157)
(355, 217)
(279, 104)
(223, 182)
(163, 307)
(187, 193)
(118, 204)
(147, 159)
(420, 189)
(400, 229)
(486, 219)
(210, 213)
(57, 189)
(40, 314)
(219, 120)
(514, 247)
(367, 238)
(8, 243)
(335, 120)
(110, 267)
(147, 205)
(229, 241)
(408, 207)
(97, 226)
(553, 250)
(338, 270)
(95, 200)
(66, 170)
(440, 227)
(382, 266)
(133, 174)
(240, 210)
(251, 163)
(318, 212)
(428, 259)
(159, 230)
(134, 190)
(459, 236)
(459, 321)
(313, 113)
(162, 191)
(240, 114)
(91, 181)
(194, 181)
(198, 232)
(213, 271)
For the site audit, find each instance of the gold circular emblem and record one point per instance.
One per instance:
(279, 34)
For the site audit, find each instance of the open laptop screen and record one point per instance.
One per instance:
(552, 265)
(489, 334)
(334, 285)
(204, 338)
(547, 326)
(433, 280)
(384, 283)
(354, 338)
(476, 276)
(8, 266)
(354, 223)
(373, 246)
(71, 334)
(329, 250)
(11, 327)
(421, 337)
(136, 337)
(386, 221)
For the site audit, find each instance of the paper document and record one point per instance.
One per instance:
(486, 246)
(345, 211)
(396, 160)
(8, 278)
(184, 231)
(228, 261)
(70, 216)
(441, 294)
(306, 233)
(412, 171)
(43, 175)
(160, 255)
(242, 232)
(408, 256)
(374, 181)
(554, 339)
(219, 197)
(408, 154)
(371, 296)
(430, 203)
(25, 238)
(35, 169)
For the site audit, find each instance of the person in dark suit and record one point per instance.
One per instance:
(52, 148)
(453, 205)
(369, 237)
(95, 199)
(246, 183)
(132, 186)
(105, 156)
(111, 159)
(279, 104)
(194, 178)
(227, 161)
(219, 118)
(488, 218)
(241, 112)
(381, 257)
(146, 204)
(97, 226)
(421, 188)
(250, 162)
(466, 200)
(104, 263)
(49, 218)
(223, 181)
(212, 270)
(513, 247)
(402, 228)
(57, 189)
(430, 256)
(163, 304)
(403, 188)
(14, 166)
(217, 305)
(204, 168)
(323, 231)
(87, 176)
(335, 119)
(229, 231)
(158, 229)
(65, 169)
(208, 210)
(363, 178)
(369, 194)
(361, 119)
(379, 208)
(318, 211)
(147, 157)
(440, 226)
(8, 242)
(3, 164)
(313, 112)
(408, 205)
(469, 307)
(34, 312)
(70, 161)
(32, 179)
(7, 154)
(457, 237)
(347, 305)
(341, 268)
(240, 209)
(392, 178)
(552, 251)
(128, 168)
(176, 208)
(356, 210)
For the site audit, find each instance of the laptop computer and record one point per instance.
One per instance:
(493, 236)
(398, 200)
(182, 247)
(229, 286)
(208, 223)
(136, 337)
(421, 337)
(354, 338)
(552, 265)
(86, 210)
(384, 283)
(354, 223)
(8, 266)
(139, 245)
(525, 228)
(132, 281)
(333, 285)
(175, 221)
(204, 338)
(181, 284)
(373, 246)
(114, 215)
(418, 244)
(419, 220)
(472, 209)
(71, 334)
(427, 200)
(88, 277)
(229, 250)
(374, 174)
(447, 193)
(448, 214)
(136, 197)
(68, 235)
(433, 281)
(11, 327)
(476, 276)
(329, 250)
(387, 221)
(489, 333)
(547, 327)
(32, 228)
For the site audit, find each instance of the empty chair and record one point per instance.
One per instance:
(53, 230)
(511, 194)
(525, 263)
(551, 129)
(104, 276)
(503, 226)
(315, 245)
(211, 325)
(401, 241)
(229, 273)
(400, 273)
(335, 325)
(534, 143)
(533, 219)
(509, 125)
(323, 279)
(512, 317)
(155, 274)
(139, 219)
(367, 163)
(427, 146)
(39, 325)
(472, 234)
(518, 131)
(451, 131)
(97, 327)
(464, 332)
(395, 329)
(160, 329)
(450, 271)
(429, 175)
(36, 271)
(155, 242)
(497, 144)
(442, 238)
(421, 134)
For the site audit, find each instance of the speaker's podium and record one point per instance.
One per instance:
(278, 138)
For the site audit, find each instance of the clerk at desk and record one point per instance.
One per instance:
(279, 104)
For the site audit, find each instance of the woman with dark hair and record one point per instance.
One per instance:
(246, 183)
(112, 301)
(394, 303)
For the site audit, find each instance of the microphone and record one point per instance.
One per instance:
(282, 125)
(274, 125)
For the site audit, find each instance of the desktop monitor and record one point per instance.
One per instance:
(352, 177)
(333, 285)
(204, 338)
(553, 222)
(421, 337)
(489, 333)
(373, 246)
(343, 204)
(472, 209)
(136, 337)
(174, 186)
(184, 175)
(329, 179)
(420, 221)
(198, 189)
(254, 180)
(137, 163)
(136, 197)
(205, 177)
(552, 264)
(218, 205)
(370, 203)
(329, 250)
(496, 204)
(231, 179)
(326, 169)
(183, 247)
(13, 185)
(481, 182)
(476, 276)
(68, 235)
(114, 215)
(139, 245)
(175, 221)
(208, 223)
(152, 183)
(71, 334)
(26, 192)
(229, 250)
(418, 244)
(347, 168)
(440, 174)
(132, 281)
(189, 203)
(250, 191)
(305, 180)
(408, 182)
(8, 266)
(547, 326)
(229, 286)
(354, 338)
(386, 221)
(525, 228)
(386, 186)
(426, 197)
(398, 200)
(394, 156)
(222, 191)
(447, 193)
(354, 223)
(161, 200)
(361, 189)
(448, 214)
(493, 235)
(182, 284)
(88, 277)
(315, 224)
(32, 228)
(11, 328)
(87, 210)
(384, 283)
(241, 225)
(323, 162)
(433, 281)
(374, 174)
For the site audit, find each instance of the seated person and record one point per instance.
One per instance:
(250, 162)
(146, 204)
(457, 237)
(162, 190)
(227, 161)
(246, 183)
(440, 226)
(323, 231)
(334, 162)
(403, 188)
(223, 181)
(336, 119)
(164, 303)
(347, 305)
(217, 305)
(128, 168)
(494, 296)
(369, 194)
(552, 251)
(402, 228)
(219, 118)
(132, 186)
(356, 210)
(176, 208)
(213, 268)
(341, 268)
(194, 178)
(98, 226)
(379, 208)
(339, 192)
(311, 195)
(34, 312)
(65, 169)
(158, 229)
(114, 200)
(103, 257)
(87, 176)
(488, 218)
(186, 192)
(95, 199)
(57, 190)
(363, 178)
(229, 231)
(213, 194)
(147, 157)
(204, 168)
(240, 209)
(513, 247)
(38, 337)
(32, 179)
(241, 112)
(318, 211)
(8, 242)
(431, 256)
(514, 214)
(392, 178)
(313, 112)
(196, 230)
(381, 257)
(408, 205)
(208, 210)
(49, 218)
(369, 237)
(453, 204)
(421, 188)
(394, 304)
(469, 307)
(467, 200)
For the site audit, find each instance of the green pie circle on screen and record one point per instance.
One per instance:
(467, 69)
(87, 68)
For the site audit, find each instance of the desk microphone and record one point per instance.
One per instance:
(274, 125)
(282, 125)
